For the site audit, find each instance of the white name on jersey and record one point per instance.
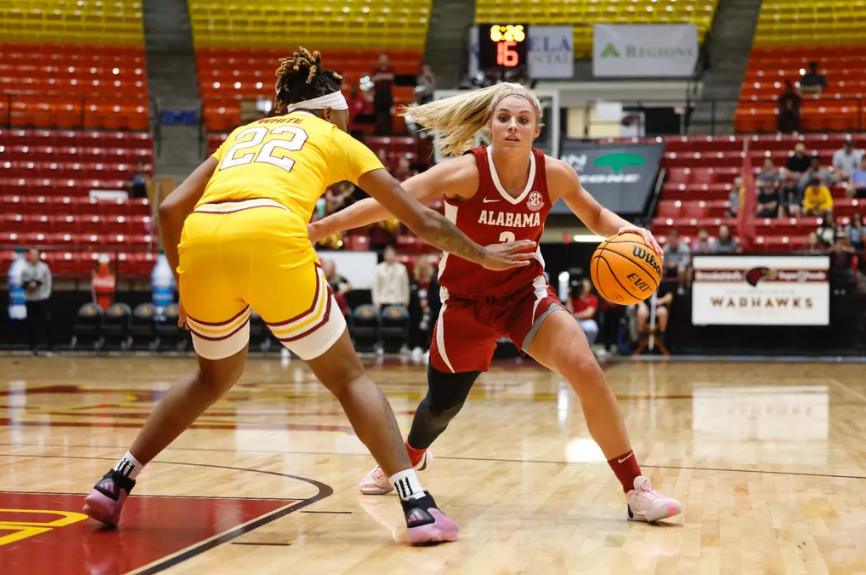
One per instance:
(509, 219)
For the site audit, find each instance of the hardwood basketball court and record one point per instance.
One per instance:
(768, 459)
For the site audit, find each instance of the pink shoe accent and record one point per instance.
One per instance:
(102, 508)
(441, 530)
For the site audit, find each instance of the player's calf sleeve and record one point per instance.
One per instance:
(446, 394)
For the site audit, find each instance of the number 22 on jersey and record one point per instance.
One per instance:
(291, 139)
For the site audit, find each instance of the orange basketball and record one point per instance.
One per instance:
(625, 270)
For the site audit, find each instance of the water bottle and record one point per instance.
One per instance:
(17, 308)
(162, 282)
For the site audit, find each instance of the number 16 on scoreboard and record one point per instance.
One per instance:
(502, 46)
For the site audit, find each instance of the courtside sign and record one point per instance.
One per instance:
(761, 290)
(644, 51)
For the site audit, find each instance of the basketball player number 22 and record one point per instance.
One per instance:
(293, 143)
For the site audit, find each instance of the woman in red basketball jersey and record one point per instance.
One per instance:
(495, 194)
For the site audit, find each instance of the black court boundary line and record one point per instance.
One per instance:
(452, 458)
(197, 549)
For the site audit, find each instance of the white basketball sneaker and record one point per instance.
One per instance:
(647, 504)
(376, 482)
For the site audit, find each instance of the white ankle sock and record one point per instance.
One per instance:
(407, 485)
(129, 466)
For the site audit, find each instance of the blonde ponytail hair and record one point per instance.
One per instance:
(456, 121)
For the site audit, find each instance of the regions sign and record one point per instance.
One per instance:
(761, 290)
(619, 176)
(644, 51)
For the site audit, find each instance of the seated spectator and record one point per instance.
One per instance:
(338, 197)
(769, 173)
(390, 281)
(812, 82)
(789, 103)
(727, 244)
(768, 201)
(664, 298)
(425, 85)
(846, 160)
(817, 200)
(583, 305)
(423, 306)
(827, 232)
(360, 111)
(842, 259)
(816, 170)
(814, 245)
(790, 198)
(857, 182)
(704, 243)
(340, 286)
(404, 170)
(677, 259)
(799, 161)
(138, 185)
(855, 232)
(735, 197)
(383, 95)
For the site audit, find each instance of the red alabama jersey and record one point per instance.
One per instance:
(492, 216)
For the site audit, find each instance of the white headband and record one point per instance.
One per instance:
(334, 100)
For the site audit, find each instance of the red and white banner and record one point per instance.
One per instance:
(761, 290)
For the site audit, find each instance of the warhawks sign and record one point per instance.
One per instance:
(761, 290)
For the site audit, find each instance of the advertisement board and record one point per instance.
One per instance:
(761, 290)
(644, 51)
(619, 176)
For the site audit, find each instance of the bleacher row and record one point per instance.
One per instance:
(696, 193)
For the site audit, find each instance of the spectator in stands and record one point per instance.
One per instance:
(611, 318)
(704, 243)
(138, 185)
(789, 110)
(677, 259)
(799, 162)
(727, 244)
(664, 299)
(404, 170)
(856, 231)
(768, 201)
(769, 173)
(422, 288)
(36, 279)
(383, 97)
(734, 198)
(857, 182)
(812, 82)
(359, 111)
(846, 159)
(790, 198)
(583, 305)
(817, 200)
(340, 286)
(827, 232)
(425, 85)
(382, 154)
(813, 244)
(391, 281)
(815, 170)
(338, 197)
(842, 259)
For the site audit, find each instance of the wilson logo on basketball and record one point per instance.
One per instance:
(535, 201)
(648, 257)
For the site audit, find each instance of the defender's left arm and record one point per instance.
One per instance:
(563, 182)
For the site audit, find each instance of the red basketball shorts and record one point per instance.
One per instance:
(467, 331)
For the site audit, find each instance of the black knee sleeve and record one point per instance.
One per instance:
(446, 394)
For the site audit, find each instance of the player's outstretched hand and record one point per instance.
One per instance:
(509, 255)
(647, 237)
(315, 232)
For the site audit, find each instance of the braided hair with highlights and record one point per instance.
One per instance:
(302, 77)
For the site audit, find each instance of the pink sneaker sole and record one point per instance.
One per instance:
(104, 509)
(444, 529)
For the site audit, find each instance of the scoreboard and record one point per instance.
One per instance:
(503, 46)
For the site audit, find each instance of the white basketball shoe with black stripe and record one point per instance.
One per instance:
(376, 482)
